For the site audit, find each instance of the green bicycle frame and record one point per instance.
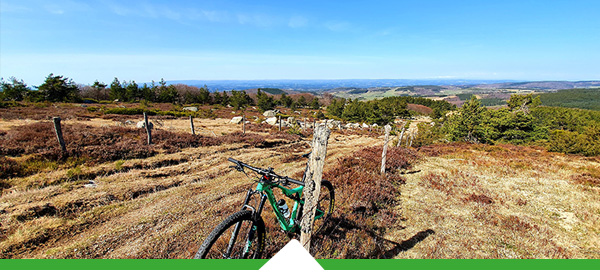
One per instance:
(288, 225)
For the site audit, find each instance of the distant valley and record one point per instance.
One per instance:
(489, 92)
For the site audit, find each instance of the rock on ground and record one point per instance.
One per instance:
(236, 120)
(193, 109)
(141, 124)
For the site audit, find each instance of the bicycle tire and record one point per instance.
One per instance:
(330, 198)
(327, 198)
(213, 245)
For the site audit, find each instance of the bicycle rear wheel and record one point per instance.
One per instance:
(239, 236)
(325, 205)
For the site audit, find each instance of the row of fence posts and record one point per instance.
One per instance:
(409, 142)
(61, 141)
(314, 172)
(409, 138)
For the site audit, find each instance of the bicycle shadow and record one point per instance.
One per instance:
(407, 244)
(337, 229)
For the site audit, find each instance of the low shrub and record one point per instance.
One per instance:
(90, 145)
(9, 168)
(365, 204)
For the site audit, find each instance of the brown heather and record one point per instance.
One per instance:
(440, 201)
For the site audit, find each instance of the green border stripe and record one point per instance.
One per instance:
(179, 264)
(463, 264)
(129, 264)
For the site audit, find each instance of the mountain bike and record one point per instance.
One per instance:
(242, 234)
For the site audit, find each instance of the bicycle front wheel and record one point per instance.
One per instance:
(239, 236)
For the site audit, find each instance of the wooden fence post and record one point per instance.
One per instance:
(385, 146)
(312, 187)
(192, 125)
(304, 126)
(243, 123)
(59, 134)
(148, 129)
(279, 119)
(401, 135)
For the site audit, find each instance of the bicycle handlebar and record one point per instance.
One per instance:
(266, 172)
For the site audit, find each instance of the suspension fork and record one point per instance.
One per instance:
(256, 213)
(253, 228)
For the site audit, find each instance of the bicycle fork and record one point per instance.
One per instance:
(255, 214)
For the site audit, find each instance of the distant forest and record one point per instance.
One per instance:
(584, 98)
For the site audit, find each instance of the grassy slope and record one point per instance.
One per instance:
(502, 202)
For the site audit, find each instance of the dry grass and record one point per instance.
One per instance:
(501, 202)
(162, 206)
(467, 201)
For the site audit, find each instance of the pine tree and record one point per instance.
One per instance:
(15, 90)
(466, 125)
(264, 101)
(58, 89)
(314, 104)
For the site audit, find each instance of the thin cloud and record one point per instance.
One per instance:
(191, 15)
(297, 22)
(6, 7)
(338, 26)
(54, 9)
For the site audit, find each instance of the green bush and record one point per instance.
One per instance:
(570, 142)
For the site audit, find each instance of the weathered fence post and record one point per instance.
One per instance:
(279, 120)
(304, 125)
(192, 125)
(401, 135)
(243, 123)
(312, 187)
(148, 129)
(59, 135)
(385, 146)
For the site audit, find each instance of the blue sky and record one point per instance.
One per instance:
(212, 40)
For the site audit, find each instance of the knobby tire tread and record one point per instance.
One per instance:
(230, 222)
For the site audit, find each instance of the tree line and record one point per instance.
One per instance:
(583, 98)
(57, 88)
(382, 111)
(524, 121)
